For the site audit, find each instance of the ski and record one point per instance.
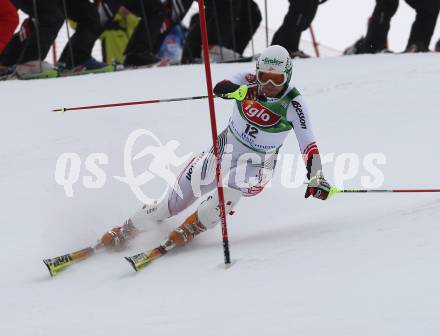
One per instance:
(57, 264)
(9, 76)
(139, 261)
(79, 72)
(164, 62)
(51, 73)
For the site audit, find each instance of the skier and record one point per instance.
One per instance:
(267, 107)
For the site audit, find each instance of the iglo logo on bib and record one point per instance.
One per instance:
(258, 114)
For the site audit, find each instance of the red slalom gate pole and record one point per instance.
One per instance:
(214, 130)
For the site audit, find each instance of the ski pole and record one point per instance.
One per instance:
(251, 26)
(266, 16)
(390, 191)
(65, 109)
(232, 13)
(335, 190)
(69, 42)
(37, 29)
(315, 43)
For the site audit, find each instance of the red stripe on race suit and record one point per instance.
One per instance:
(187, 165)
(313, 144)
(311, 149)
(254, 190)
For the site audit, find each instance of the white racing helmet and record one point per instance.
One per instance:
(274, 65)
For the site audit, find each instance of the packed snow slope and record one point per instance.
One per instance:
(357, 264)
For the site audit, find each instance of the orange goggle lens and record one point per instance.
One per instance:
(276, 78)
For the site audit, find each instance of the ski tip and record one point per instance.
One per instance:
(133, 265)
(47, 263)
(58, 264)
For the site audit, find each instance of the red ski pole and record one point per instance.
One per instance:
(391, 191)
(335, 190)
(119, 104)
(315, 43)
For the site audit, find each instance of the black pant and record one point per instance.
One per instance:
(249, 19)
(422, 29)
(379, 25)
(50, 17)
(87, 31)
(424, 24)
(147, 37)
(299, 17)
(221, 21)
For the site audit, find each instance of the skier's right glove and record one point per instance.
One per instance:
(243, 92)
(116, 239)
(228, 90)
(239, 94)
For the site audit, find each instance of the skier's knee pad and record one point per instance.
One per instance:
(208, 211)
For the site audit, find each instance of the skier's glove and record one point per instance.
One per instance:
(318, 187)
(229, 90)
(116, 239)
(239, 94)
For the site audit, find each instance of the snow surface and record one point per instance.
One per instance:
(358, 264)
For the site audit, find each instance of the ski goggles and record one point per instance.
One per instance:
(276, 78)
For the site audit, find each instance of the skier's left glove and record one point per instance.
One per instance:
(318, 187)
